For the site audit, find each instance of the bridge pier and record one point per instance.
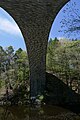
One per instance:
(35, 18)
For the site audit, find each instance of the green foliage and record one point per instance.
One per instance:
(63, 59)
(14, 67)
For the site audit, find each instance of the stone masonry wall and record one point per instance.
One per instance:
(35, 18)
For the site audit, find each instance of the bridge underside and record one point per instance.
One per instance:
(35, 17)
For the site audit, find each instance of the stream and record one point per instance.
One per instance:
(37, 113)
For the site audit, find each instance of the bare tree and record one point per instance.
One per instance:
(70, 24)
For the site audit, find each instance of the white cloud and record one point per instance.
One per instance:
(9, 27)
(63, 38)
(60, 38)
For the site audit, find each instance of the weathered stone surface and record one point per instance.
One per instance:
(59, 93)
(35, 18)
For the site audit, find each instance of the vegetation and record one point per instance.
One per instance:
(71, 25)
(14, 72)
(63, 60)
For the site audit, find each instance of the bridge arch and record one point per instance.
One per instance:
(35, 19)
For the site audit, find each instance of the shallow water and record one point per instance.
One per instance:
(37, 113)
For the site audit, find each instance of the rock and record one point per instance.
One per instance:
(38, 102)
(1, 103)
(19, 103)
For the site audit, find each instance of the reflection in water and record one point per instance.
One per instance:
(32, 113)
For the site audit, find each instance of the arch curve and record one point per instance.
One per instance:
(35, 19)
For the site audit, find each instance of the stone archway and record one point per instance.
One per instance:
(35, 19)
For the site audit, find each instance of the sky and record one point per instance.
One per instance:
(56, 26)
(10, 33)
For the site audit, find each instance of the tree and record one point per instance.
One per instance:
(14, 66)
(70, 24)
(64, 60)
(52, 45)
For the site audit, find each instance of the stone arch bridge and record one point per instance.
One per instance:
(35, 17)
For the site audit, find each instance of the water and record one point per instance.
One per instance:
(37, 113)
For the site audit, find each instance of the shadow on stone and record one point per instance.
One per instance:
(58, 93)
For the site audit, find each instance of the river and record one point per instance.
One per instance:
(37, 113)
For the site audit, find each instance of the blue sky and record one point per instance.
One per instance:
(10, 33)
(56, 26)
